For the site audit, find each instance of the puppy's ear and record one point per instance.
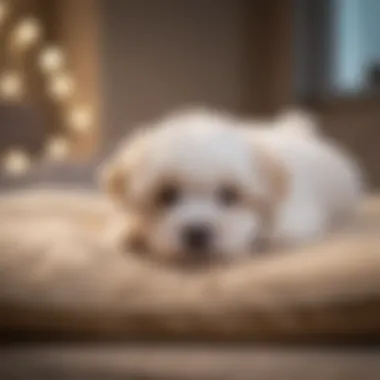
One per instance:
(114, 175)
(113, 179)
(275, 175)
(275, 186)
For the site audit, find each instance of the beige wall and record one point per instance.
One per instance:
(159, 55)
(155, 56)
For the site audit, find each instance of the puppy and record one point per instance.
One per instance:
(202, 186)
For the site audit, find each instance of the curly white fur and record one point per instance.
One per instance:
(290, 185)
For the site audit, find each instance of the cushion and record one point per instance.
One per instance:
(59, 277)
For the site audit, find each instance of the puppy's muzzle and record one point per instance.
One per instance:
(197, 239)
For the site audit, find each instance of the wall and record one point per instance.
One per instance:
(157, 56)
(160, 55)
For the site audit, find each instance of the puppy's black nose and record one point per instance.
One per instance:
(197, 237)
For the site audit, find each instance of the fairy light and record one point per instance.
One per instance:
(11, 85)
(57, 148)
(16, 162)
(26, 33)
(61, 86)
(4, 11)
(51, 60)
(80, 119)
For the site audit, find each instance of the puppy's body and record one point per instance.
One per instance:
(202, 184)
(324, 183)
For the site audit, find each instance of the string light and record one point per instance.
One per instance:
(58, 148)
(16, 162)
(51, 60)
(11, 86)
(61, 86)
(80, 119)
(26, 33)
(4, 11)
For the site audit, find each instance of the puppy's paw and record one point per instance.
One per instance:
(125, 237)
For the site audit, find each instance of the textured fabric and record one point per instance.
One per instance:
(58, 275)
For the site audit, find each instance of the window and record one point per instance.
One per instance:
(338, 48)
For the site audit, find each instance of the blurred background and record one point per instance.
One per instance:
(77, 75)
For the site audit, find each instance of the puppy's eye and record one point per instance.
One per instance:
(167, 196)
(228, 195)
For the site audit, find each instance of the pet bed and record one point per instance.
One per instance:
(57, 277)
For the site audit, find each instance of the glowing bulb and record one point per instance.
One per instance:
(4, 11)
(51, 59)
(80, 119)
(11, 86)
(57, 148)
(16, 162)
(61, 86)
(27, 33)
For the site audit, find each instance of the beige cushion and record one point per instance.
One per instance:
(57, 275)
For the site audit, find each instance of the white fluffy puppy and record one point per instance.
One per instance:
(201, 185)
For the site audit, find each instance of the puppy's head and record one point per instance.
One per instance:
(196, 189)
